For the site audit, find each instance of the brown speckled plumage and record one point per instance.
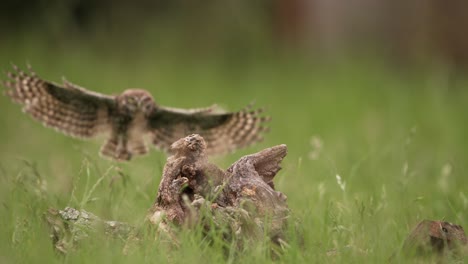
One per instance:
(129, 118)
(435, 237)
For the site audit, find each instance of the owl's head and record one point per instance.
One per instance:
(191, 146)
(133, 101)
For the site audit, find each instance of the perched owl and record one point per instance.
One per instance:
(130, 119)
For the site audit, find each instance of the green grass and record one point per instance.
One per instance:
(397, 140)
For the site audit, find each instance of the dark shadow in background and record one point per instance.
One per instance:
(406, 31)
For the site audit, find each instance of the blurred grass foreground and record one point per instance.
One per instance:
(370, 98)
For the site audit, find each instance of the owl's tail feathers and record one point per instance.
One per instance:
(116, 148)
(137, 146)
(122, 149)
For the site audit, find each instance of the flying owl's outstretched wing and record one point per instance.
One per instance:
(223, 132)
(69, 108)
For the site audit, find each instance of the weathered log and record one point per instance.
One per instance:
(69, 226)
(242, 197)
(195, 192)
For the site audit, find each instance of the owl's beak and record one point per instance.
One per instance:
(139, 103)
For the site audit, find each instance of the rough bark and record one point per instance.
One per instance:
(69, 226)
(242, 197)
(195, 192)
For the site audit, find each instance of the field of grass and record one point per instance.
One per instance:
(397, 139)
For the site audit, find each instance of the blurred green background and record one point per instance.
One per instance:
(372, 91)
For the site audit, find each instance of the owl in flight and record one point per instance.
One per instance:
(130, 119)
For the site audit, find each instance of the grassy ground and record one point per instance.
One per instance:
(396, 139)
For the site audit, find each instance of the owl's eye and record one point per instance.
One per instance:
(131, 100)
(147, 106)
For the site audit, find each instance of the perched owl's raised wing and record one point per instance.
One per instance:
(223, 132)
(69, 108)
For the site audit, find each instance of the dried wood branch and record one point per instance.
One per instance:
(195, 192)
(242, 197)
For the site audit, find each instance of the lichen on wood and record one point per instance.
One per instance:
(70, 226)
(193, 192)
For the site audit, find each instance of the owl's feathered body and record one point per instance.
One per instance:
(131, 118)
